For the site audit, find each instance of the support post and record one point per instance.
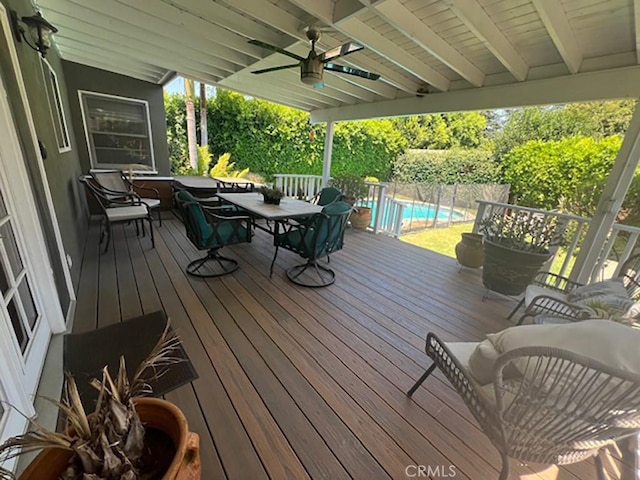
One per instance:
(610, 201)
(380, 207)
(328, 150)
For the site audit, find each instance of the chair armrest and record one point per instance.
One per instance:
(556, 282)
(469, 389)
(149, 189)
(544, 304)
(217, 213)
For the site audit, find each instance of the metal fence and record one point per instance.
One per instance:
(431, 206)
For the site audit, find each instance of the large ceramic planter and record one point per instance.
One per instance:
(469, 250)
(361, 217)
(509, 271)
(153, 412)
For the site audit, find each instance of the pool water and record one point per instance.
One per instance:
(423, 211)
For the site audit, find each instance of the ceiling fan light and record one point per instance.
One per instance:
(311, 78)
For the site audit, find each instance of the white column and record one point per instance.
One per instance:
(328, 150)
(610, 202)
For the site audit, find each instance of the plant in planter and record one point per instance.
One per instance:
(355, 190)
(271, 195)
(516, 246)
(127, 437)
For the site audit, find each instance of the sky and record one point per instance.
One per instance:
(175, 86)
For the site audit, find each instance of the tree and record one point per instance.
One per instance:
(203, 115)
(191, 124)
(443, 131)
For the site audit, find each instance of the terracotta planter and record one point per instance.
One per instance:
(469, 250)
(361, 217)
(509, 271)
(154, 412)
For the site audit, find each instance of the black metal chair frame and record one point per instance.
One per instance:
(107, 202)
(312, 224)
(131, 190)
(536, 425)
(215, 216)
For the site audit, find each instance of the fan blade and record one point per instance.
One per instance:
(341, 51)
(275, 69)
(275, 49)
(351, 71)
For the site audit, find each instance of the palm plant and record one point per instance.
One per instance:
(109, 443)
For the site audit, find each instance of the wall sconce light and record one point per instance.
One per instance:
(39, 30)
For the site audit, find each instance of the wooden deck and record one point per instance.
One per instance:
(302, 383)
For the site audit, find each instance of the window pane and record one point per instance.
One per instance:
(4, 283)
(18, 326)
(3, 208)
(28, 304)
(9, 240)
(118, 131)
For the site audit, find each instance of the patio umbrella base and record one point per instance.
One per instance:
(212, 265)
(312, 275)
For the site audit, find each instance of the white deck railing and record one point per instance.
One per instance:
(575, 226)
(304, 187)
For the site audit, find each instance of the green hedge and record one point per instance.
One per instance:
(446, 167)
(569, 174)
(268, 138)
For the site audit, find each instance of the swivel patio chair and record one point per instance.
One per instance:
(562, 407)
(211, 228)
(314, 238)
(328, 195)
(119, 187)
(550, 294)
(115, 210)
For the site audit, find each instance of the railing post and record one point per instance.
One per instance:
(482, 207)
(399, 216)
(382, 197)
(278, 178)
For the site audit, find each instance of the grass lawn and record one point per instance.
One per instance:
(443, 240)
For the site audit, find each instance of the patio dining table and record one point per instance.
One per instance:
(253, 203)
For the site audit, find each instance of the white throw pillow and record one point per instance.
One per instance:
(606, 287)
(611, 343)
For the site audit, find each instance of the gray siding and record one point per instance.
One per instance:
(82, 77)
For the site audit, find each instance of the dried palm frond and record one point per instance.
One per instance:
(107, 444)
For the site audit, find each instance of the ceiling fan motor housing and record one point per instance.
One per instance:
(311, 71)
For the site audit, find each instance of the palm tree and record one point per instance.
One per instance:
(203, 115)
(191, 124)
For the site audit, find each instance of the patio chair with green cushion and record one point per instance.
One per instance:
(556, 296)
(118, 210)
(211, 228)
(328, 195)
(314, 238)
(119, 187)
(547, 394)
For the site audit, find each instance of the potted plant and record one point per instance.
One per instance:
(516, 246)
(127, 437)
(271, 195)
(355, 191)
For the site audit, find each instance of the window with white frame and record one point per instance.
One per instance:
(55, 107)
(118, 131)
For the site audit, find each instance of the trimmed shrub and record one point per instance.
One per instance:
(446, 167)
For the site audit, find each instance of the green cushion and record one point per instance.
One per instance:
(329, 195)
(195, 210)
(225, 233)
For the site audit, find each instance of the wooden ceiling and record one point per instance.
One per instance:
(432, 55)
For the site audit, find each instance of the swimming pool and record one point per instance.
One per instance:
(424, 211)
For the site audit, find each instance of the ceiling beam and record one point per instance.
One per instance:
(581, 87)
(111, 58)
(362, 33)
(72, 57)
(116, 33)
(115, 50)
(411, 26)
(555, 21)
(477, 20)
(229, 19)
(109, 11)
(287, 23)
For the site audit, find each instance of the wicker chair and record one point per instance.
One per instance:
(548, 293)
(561, 409)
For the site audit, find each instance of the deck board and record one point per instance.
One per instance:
(309, 383)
